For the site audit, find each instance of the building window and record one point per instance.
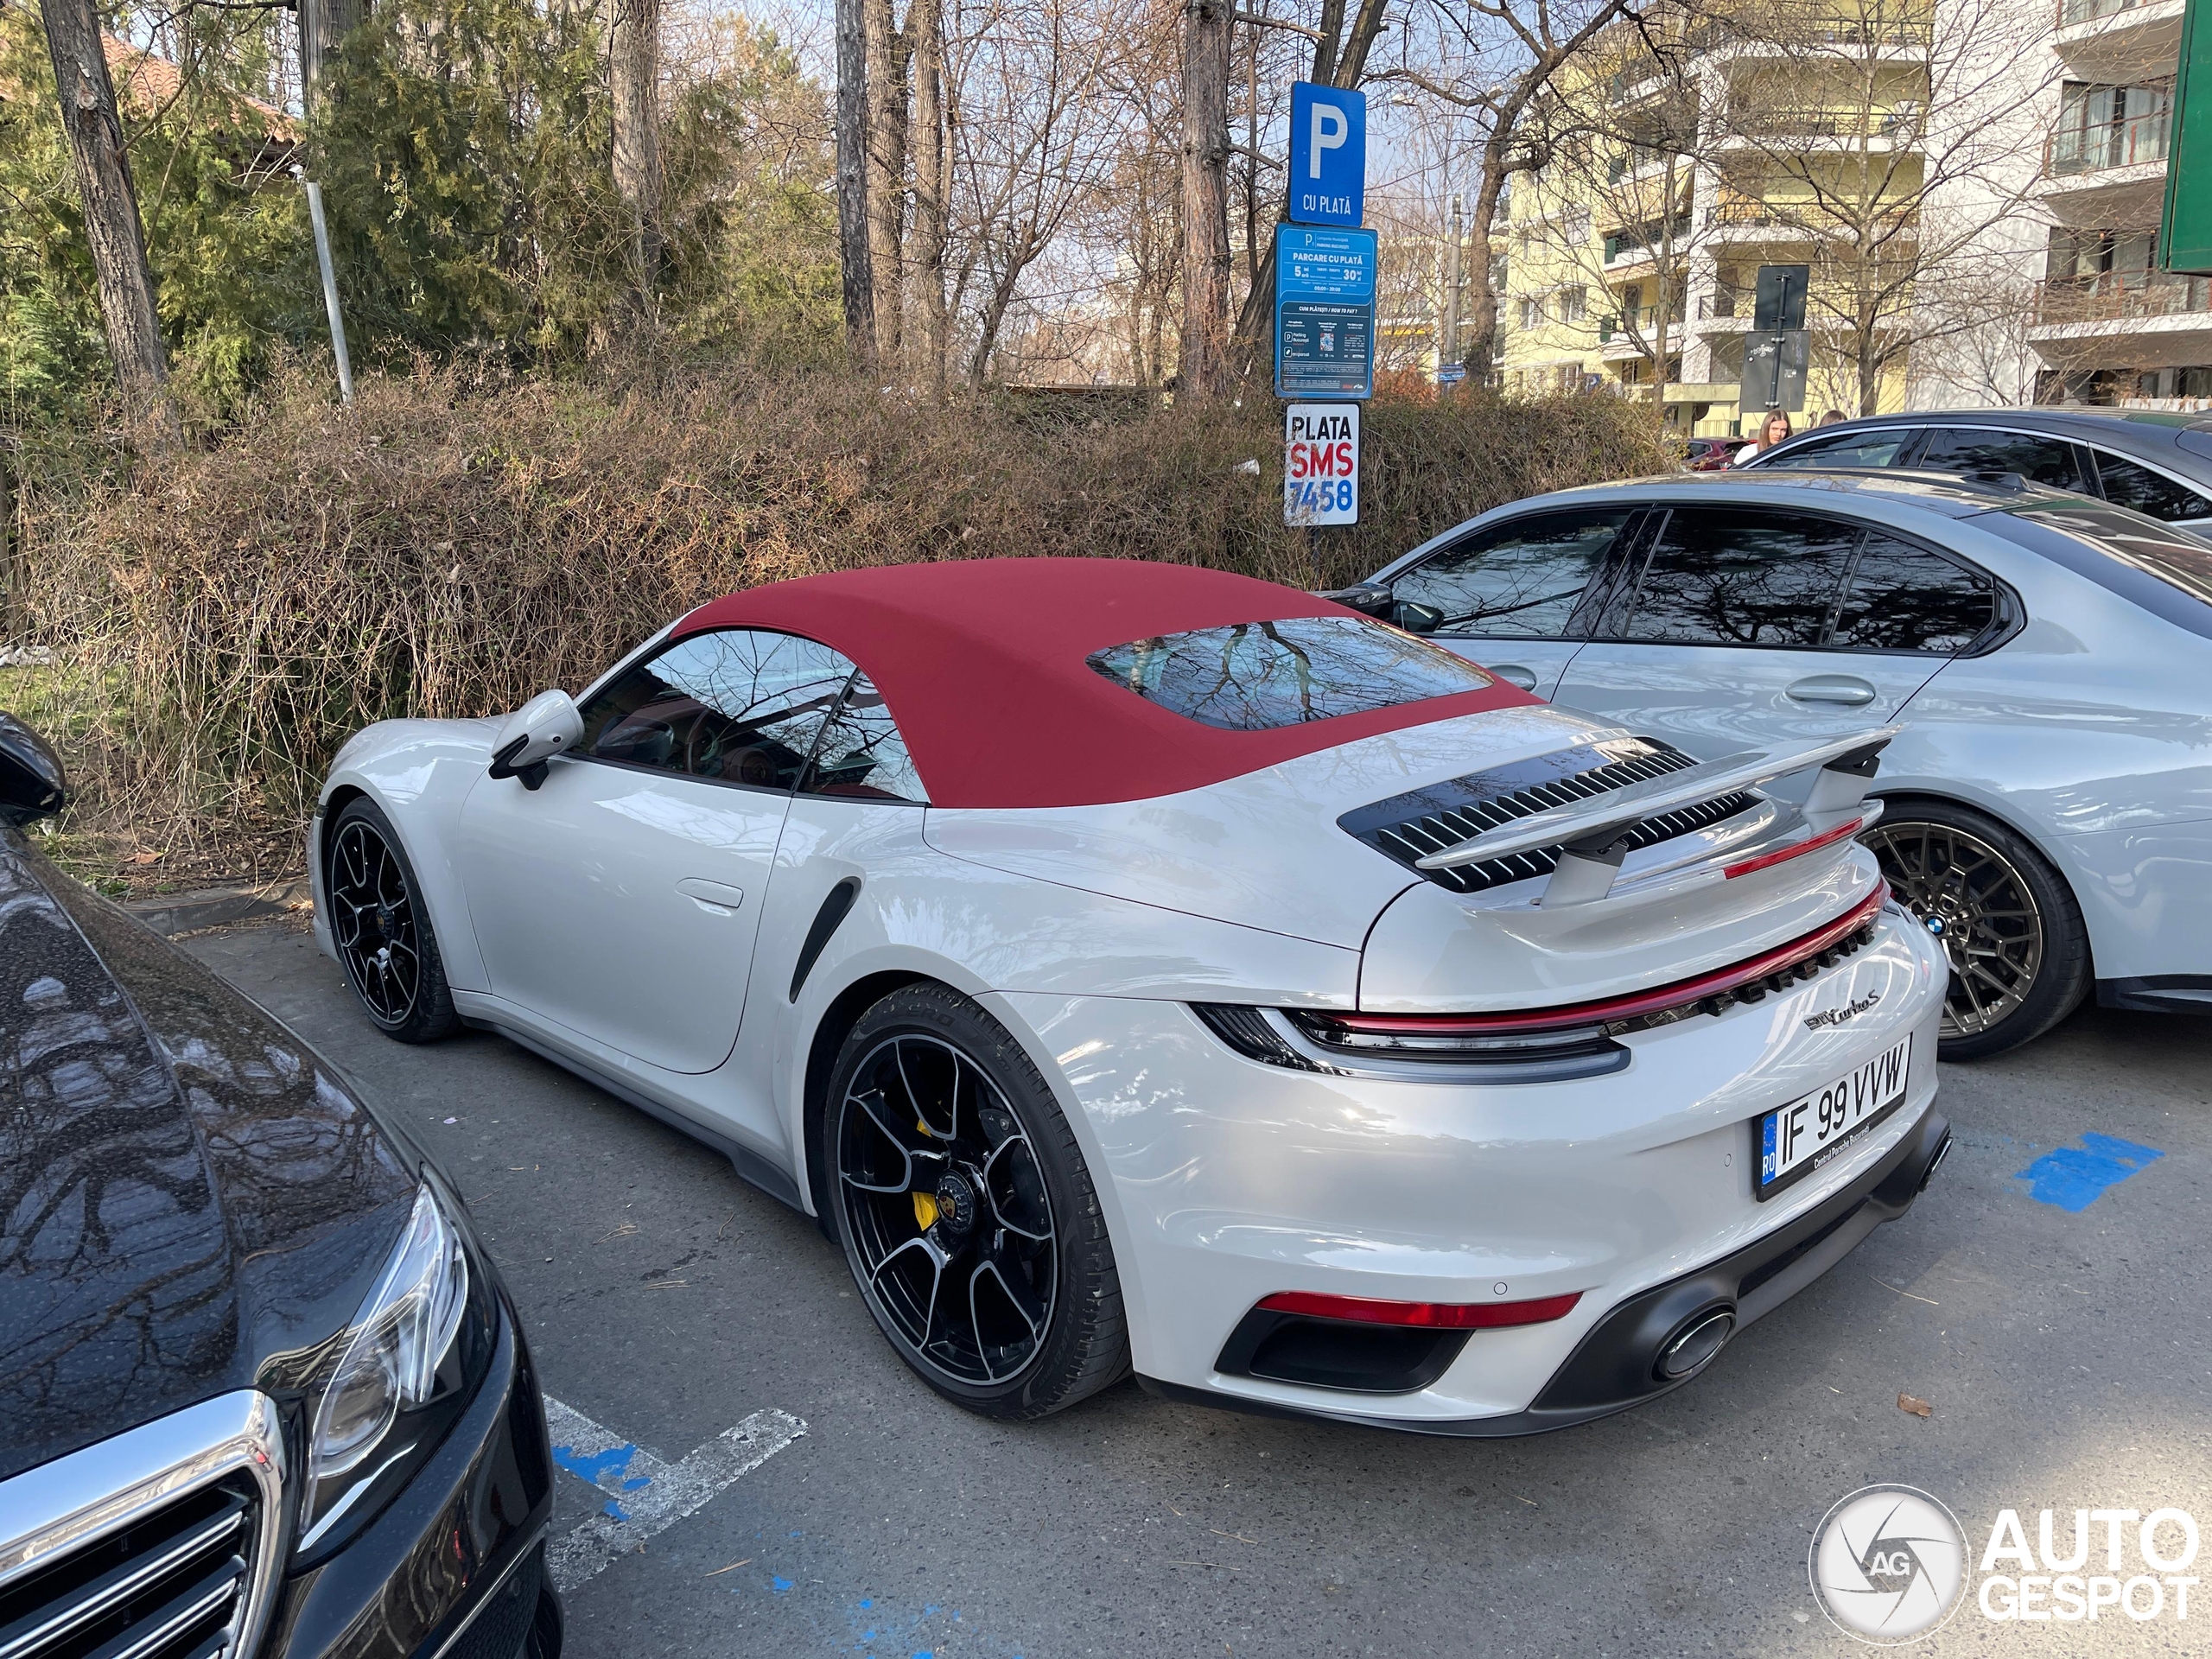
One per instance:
(2101, 127)
(1574, 303)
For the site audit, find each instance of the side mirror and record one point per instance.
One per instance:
(534, 733)
(31, 783)
(1415, 616)
(1367, 600)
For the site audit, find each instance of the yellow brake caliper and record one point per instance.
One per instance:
(925, 1204)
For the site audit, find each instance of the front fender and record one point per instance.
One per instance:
(419, 773)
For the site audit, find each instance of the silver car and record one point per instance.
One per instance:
(2048, 809)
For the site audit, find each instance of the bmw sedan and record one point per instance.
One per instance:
(262, 1396)
(2048, 805)
(2143, 460)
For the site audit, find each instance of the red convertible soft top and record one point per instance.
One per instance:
(981, 663)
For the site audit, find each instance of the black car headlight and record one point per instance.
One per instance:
(405, 1367)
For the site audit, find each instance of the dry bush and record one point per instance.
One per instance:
(450, 545)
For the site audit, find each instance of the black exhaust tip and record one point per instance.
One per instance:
(1693, 1344)
(1934, 1162)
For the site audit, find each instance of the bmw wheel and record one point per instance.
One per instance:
(2019, 954)
(968, 1219)
(382, 930)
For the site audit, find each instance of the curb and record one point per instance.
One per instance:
(183, 912)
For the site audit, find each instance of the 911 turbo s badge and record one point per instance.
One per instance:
(1837, 1016)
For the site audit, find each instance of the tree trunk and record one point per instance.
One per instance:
(634, 47)
(1206, 25)
(1478, 335)
(888, 50)
(859, 283)
(324, 25)
(925, 251)
(112, 225)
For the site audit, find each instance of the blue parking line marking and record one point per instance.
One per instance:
(615, 1461)
(2071, 1178)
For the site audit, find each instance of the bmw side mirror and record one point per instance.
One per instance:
(1415, 616)
(543, 728)
(31, 783)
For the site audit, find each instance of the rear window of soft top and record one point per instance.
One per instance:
(1255, 677)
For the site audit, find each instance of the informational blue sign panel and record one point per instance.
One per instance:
(1328, 154)
(1324, 313)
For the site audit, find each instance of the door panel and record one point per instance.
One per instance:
(621, 899)
(622, 903)
(1754, 628)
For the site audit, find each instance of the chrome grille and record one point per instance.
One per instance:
(1409, 827)
(159, 1544)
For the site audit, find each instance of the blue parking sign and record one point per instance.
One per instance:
(1328, 154)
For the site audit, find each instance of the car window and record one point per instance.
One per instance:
(861, 756)
(1904, 598)
(738, 706)
(1982, 449)
(1255, 677)
(1521, 579)
(1876, 448)
(1725, 576)
(2127, 484)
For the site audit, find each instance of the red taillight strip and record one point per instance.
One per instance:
(1432, 1316)
(1678, 995)
(1782, 856)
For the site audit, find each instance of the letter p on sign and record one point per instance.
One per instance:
(1328, 154)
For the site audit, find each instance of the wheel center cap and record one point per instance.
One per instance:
(957, 1205)
(1935, 925)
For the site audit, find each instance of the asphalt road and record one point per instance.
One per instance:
(2066, 1354)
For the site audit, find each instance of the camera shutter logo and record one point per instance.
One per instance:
(1889, 1565)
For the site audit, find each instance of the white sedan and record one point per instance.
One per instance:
(1135, 967)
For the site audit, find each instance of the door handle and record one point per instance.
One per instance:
(1523, 677)
(711, 895)
(1848, 689)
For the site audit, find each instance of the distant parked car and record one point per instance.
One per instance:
(1709, 454)
(2148, 462)
(264, 1397)
(2047, 807)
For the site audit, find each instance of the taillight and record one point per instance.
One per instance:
(1429, 1316)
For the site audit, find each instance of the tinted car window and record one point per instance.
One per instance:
(1979, 449)
(1256, 675)
(1876, 448)
(1520, 579)
(1722, 577)
(1904, 598)
(861, 754)
(737, 705)
(2127, 484)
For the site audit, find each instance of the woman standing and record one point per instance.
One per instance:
(1772, 430)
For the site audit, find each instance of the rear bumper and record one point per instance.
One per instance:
(1617, 1365)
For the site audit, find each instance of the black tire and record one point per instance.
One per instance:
(986, 1192)
(2019, 953)
(548, 1630)
(382, 928)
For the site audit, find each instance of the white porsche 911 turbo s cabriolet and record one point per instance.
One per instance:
(1141, 967)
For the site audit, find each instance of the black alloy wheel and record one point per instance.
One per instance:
(968, 1217)
(383, 934)
(2018, 952)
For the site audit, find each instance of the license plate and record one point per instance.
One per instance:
(1793, 1140)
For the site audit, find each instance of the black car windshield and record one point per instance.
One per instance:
(2176, 558)
(1255, 677)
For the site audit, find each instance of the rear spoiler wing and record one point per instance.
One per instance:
(1593, 835)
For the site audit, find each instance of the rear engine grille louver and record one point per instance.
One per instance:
(173, 1585)
(1408, 828)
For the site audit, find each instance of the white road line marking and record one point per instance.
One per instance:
(647, 1496)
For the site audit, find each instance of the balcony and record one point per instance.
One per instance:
(2119, 40)
(2120, 295)
(2133, 319)
(2107, 145)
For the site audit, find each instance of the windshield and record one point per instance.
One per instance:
(1255, 677)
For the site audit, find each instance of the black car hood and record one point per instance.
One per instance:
(190, 1202)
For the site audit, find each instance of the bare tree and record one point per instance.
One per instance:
(633, 77)
(112, 229)
(324, 25)
(855, 260)
(1206, 52)
(926, 236)
(890, 50)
